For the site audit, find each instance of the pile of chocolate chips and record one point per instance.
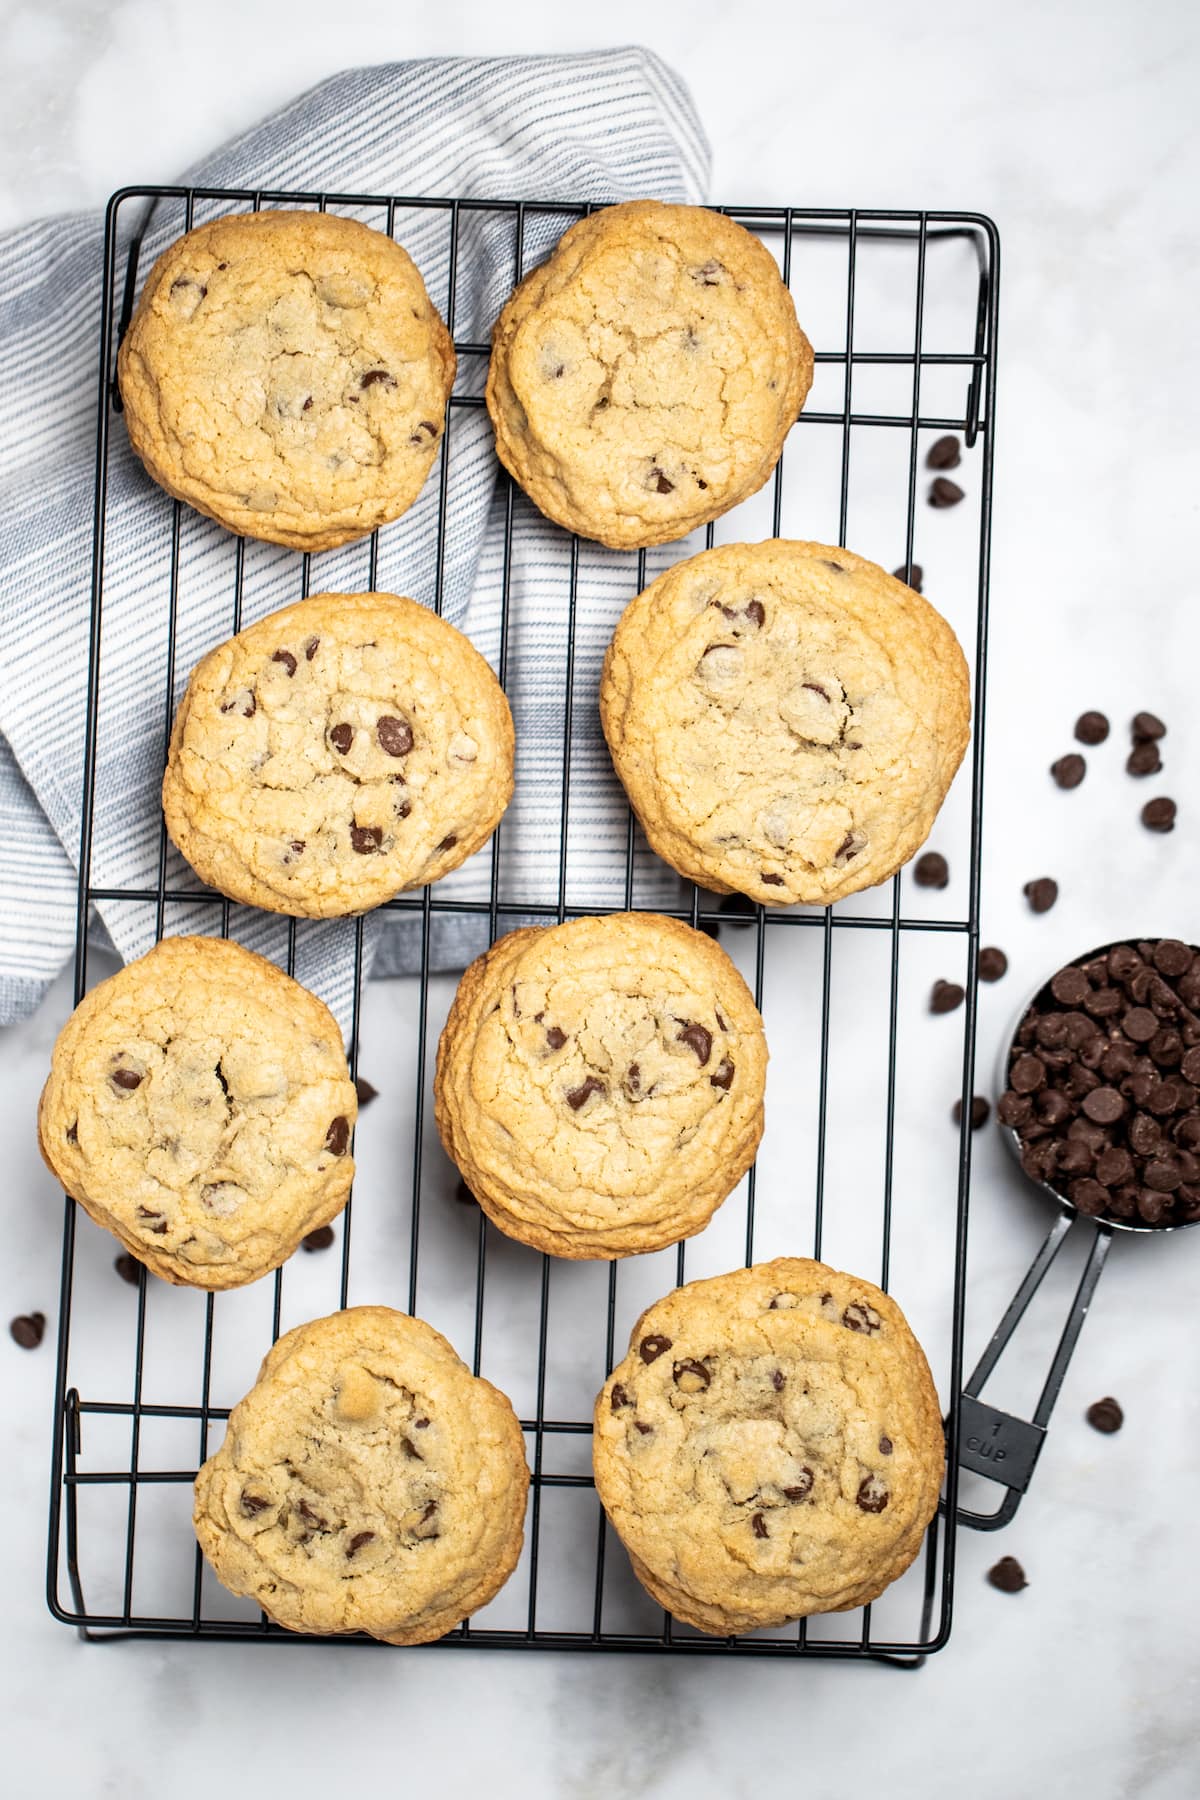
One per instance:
(1104, 1084)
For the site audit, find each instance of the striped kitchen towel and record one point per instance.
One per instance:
(587, 128)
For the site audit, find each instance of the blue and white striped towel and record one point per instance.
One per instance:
(601, 127)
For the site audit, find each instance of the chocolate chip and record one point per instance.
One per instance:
(691, 1377)
(803, 1487)
(1152, 1207)
(946, 997)
(931, 870)
(658, 481)
(395, 735)
(723, 1078)
(365, 1091)
(311, 648)
(28, 1330)
(555, 1037)
(885, 1446)
(127, 1079)
(1139, 1024)
(1028, 1074)
(858, 1316)
(311, 1516)
(1189, 1068)
(778, 1379)
(1041, 894)
(1146, 727)
(1171, 958)
(644, 1429)
(577, 1097)
(769, 880)
(359, 1539)
(1143, 759)
(127, 1267)
(697, 1038)
(759, 1526)
(1163, 1175)
(320, 1239)
(1007, 1575)
(1069, 770)
(366, 839)
(981, 1112)
(155, 1221)
(992, 964)
(944, 454)
(633, 1078)
(253, 1504)
(945, 493)
(1014, 1109)
(756, 613)
(872, 1496)
(618, 1398)
(341, 737)
(1114, 1167)
(377, 377)
(1104, 1106)
(448, 843)
(652, 1347)
(1088, 1196)
(912, 578)
(1069, 987)
(1105, 1415)
(287, 659)
(243, 703)
(337, 1138)
(1091, 728)
(1159, 814)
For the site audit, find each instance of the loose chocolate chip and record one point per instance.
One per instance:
(1091, 728)
(946, 997)
(28, 1330)
(1114, 1167)
(395, 735)
(981, 1112)
(858, 1316)
(555, 1037)
(872, 1496)
(1069, 987)
(1028, 1074)
(1189, 1068)
(944, 454)
(1103, 1003)
(357, 1541)
(945, 493)
(1159, 814)
(1041, 894)
(341, 737)
(577, 1097)
(1166, 1048)
(1143, 759)
(377, 377)
(1014, 1109)
(1171, 958)
(618, 1398)
(1146, 727)
(691, 1377)
(723, 1078)
(699, 1039)
(127, 1079)
(1139, 1024)
(127, 1267)
(1105, 1415)
(1069, 770)
(1007, 1575)
(338, 1136)
(365, 1091)
(931, 870)
(1103, 1105)
(311, 648)
(366, 839)
(1162, 1175)
(652, 1347)
(885, 1446)
(1088, 1196)
(737, 909)
(1152, 1207)
(253, 1504)
(993, 964)
(912, 578)
(287, 659)
(759, 1526)
(320, 1239)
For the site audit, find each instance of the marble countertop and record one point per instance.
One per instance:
(1075, 129)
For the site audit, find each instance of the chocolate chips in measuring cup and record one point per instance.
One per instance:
(1104, 1084)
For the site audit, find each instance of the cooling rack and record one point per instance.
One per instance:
(859, 1162)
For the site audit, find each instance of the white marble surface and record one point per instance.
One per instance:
(1075, 128)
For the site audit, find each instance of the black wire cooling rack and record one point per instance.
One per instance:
(146, 1380)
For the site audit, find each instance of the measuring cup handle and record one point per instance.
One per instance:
(995, 1443)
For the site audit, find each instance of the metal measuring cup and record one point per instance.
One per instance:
(993, 1443)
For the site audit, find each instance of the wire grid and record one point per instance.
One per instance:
(609, 1624)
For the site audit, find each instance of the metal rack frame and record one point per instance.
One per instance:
(786, 225)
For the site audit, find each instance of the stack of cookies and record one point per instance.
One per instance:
(786, 719)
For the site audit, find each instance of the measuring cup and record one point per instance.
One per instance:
(994, 1443)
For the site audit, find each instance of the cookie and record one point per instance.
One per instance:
(199, 1107)
(367, 1482)
(287, 374)
(642, 381)
(338, 751)
(786, 719)
(770, 1447)
(600, 1083)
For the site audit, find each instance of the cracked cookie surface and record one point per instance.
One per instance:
(786, 719)
(336, 752)
(199, 1107)
(643, 379)
(600, 1083)
(287, 374)
(367, 1482)
(770, 1447)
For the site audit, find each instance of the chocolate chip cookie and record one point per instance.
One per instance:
(600, 1083)
(367, 1482)
(287, 374)
(199, 1107)
(770, 1447)
(786, 719)
(338, 751)
(642, 381)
